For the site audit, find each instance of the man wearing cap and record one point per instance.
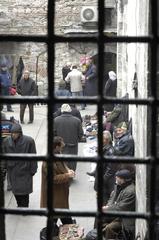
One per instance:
(121, 199)
(124, 146)
(27, 87)
(124, 142)
(70, 129)
(20, 172)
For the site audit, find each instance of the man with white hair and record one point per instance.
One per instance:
(70, 129)
(27, 87)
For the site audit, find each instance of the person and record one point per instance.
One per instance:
(75, 78)
(20, 172)
(75, 112)
(122, 199)
(5, 84)
(124, 146)
(70, 129)
(27, 87)
(61, 92)
(65, 70)
(109, 169)
(124, 142)
(90, 88)
(62, 177)
(20, 68)
(110, 90)
(119, 114)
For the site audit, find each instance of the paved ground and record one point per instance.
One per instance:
(82, 195)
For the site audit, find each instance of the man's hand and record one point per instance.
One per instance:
(71, 173)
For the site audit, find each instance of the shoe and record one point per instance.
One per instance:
(92, 174)
(22, 122)
(30, 122)
(10, 110)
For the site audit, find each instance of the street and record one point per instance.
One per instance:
(82, 194)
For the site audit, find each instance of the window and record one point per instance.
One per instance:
(141, 38)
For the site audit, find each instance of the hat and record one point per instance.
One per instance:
(122, 125)
(16, 128)
(124, 173)
(66, 108)
(112, 75)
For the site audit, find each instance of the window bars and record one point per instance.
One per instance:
(51, 39)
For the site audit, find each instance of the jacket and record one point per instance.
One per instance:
(123, 199)
(63, 126)
(91, 82)
(109, 170)
(124, 146)
(5, 79)
(75, 77)
(60, 186)
(27, 87)
(20, 172)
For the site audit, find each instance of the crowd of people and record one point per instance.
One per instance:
(118, 179)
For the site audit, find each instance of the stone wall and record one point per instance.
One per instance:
(29, 18)
(132, 63)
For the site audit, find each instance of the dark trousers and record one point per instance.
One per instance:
(31, 112)
(22, 200)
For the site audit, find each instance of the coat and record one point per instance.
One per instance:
(60, 186)
(75, 77)
(123, 199)
(27, 87)
(109, 170)
(70, 129)
(91, 83)
(110, 91)
(21, 172)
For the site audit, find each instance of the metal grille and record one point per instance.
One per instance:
(51, 39)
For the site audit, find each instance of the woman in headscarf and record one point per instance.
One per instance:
(110, 90)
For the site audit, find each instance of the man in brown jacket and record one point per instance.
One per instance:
(62, 176)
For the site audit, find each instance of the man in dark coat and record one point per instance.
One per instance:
(27, 87)
(65, 70)
(20, 172)
(109, 169)
(70, 129)
(110, 89)
(75, 112)
(90, 88)
(61, 92)
(124, 146)
(121, 199)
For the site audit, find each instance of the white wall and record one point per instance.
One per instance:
(132, 57)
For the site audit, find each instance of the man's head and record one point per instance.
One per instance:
(16, 131)
(66, 108)
(107, 139)
(26, 75)
(58, 144)
(74, 67)
(121, 129)
(123, 176)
